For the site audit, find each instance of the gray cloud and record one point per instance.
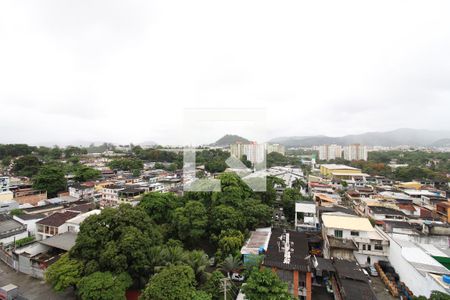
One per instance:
(125, 71)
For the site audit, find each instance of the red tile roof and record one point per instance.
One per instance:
(57, 219)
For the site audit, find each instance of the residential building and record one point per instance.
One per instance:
(11, 230)
(256, 244)
(53, 224)
(350, 282)
(329, 152)
(443, 210)
(417, 269)
(29, 220)
(81, 192)
(8, 205)
(355, 152)
(156, 187)
(110, 195)
(5, 193)
(306, 218)
(29, 195)
(381, 213)
(131, 194)
(287, 255)
(256, 153)
(73, 225)
(352, 237)
(276, 148)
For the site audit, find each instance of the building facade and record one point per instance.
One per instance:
(355, 152)
(256, 153)
(328, 152)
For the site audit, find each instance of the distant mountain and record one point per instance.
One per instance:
(228, 139)
(403, 136)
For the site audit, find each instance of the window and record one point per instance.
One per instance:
(364, 247)
(338, 233)
(354, 233)
(378, 247)
(369, 248)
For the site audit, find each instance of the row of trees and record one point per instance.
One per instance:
(50, 176)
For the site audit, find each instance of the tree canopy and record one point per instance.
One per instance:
(172, 283)
(126, 164)
(64, 273)
(84, 173)
(51, 178)
(118, 240)
(27, 165)
(190, 221)
(103, 286)
(265, 285)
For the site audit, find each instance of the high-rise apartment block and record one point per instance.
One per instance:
(276, 148)
(256, 153)
(355, 152)
(328, 152)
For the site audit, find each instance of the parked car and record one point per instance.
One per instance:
(237, 277)
(365, 272)
(372, 271)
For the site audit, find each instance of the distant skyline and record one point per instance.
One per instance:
(114, 71)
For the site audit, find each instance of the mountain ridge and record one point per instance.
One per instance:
(397, 137)
(228, 139)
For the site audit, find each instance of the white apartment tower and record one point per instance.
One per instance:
(355, 152)
(256, 153)
(328, 152)
(276, 148)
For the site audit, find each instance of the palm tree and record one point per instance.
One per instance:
(174, 255)
(230, 265)
(298, 184)
(198, 260)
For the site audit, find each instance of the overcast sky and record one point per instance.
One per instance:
(128, 71)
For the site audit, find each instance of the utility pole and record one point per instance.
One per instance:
(224, 286)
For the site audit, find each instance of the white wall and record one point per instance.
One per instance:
(346, 233)
(418, 284)
(31, 224)
(10, 239)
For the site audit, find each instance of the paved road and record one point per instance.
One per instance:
(29, 287)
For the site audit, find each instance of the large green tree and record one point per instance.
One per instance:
(172, 283)
(190, 221)
(126, 164)
(65, 272)
(27, 165)
(160, 206)
(85, 173)
(226, 217)
(288, 199)
(230, 242)
(104, 286)
(118, 240)
(51, 178)
(265, 285)
(256, 213)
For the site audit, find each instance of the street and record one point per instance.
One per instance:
(30, 288)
